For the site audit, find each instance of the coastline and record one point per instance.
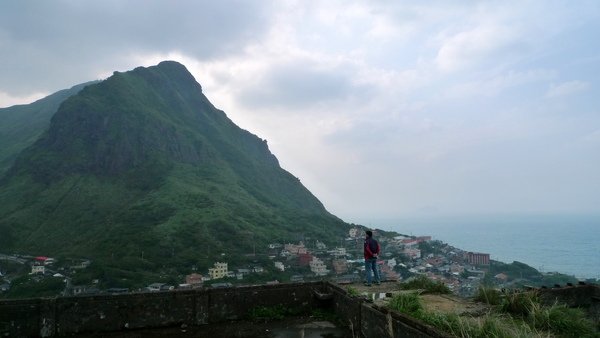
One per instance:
(564, 244)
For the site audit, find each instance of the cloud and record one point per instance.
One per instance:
(473, 46)
(297, 85)
(566, 88)
(415, 104)
(496, 84)
(66, 41)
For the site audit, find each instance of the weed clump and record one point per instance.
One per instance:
(425, 284)
(489, 296)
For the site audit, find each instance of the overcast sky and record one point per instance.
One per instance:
(383, 109)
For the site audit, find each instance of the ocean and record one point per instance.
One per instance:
(565, 244)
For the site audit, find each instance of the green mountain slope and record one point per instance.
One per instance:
(143, 171)
(21, 125)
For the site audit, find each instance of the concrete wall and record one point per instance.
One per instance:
(67, 315)
(370, 321)
(87, 314)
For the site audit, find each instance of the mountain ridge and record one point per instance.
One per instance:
(143, 162)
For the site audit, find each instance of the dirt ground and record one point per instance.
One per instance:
(380, 294)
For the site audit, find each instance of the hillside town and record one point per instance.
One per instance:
(402, 257)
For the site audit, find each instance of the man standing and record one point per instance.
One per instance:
(371, 254)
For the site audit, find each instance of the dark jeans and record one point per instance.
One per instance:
(371, 265)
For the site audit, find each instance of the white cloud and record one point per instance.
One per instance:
(7, 100)
(494, 85)
(567, 88)
(414, 104)
(472, 46)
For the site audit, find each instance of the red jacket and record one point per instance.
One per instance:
(371, 248)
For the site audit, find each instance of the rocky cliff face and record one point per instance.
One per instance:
(144, 162)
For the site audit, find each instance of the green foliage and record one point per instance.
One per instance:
(519, 303)
(408, 303)
(423, 283)
(352, 291)
(558, 319)
(430, 247)
(142, 173)
(561, 320)
(23, 124)
(520, 315)
(488, 295)
(451, 323)
(514, 270)
(34, 286)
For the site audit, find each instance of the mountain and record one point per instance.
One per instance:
(142, 171)
(23, 124)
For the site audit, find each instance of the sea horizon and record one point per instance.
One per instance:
(566, 244)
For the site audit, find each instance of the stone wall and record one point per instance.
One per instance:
(68, 315)
(371, 321)
(59, 316)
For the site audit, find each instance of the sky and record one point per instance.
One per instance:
(383, 109)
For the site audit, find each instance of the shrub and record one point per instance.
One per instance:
(489, 296)
(352, 291)
(408, 303)
(519, 303)
(426, 284)
(562, 320)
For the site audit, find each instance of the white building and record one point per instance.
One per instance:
(219, 271)
(338, 252)
(318, 267)
(38, 269)
(279, 266)
(355, 232)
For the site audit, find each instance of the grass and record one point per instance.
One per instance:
(489, 296)
(408, 303)
(426, 284)
(517, 315)
(352, 291)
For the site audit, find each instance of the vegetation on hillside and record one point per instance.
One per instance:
(518, 314)
(141, 174)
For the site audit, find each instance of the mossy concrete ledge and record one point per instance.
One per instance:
(62, 316)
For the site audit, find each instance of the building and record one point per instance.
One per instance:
(321, 246)
(304, 259)
(412, 253)
(279, 266)
(219, 271)
(340, 251)
(340, 266)
(355, 232)
(193, 279)
(318, 267)
(478, 258)
(295, 249)
(35, 269)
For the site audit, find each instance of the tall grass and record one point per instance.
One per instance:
(489, 296)
(408, 303)
(518, 315)
(426, 284)
(488, 326)
(562, 320)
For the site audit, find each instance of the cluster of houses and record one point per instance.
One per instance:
(401, 257)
